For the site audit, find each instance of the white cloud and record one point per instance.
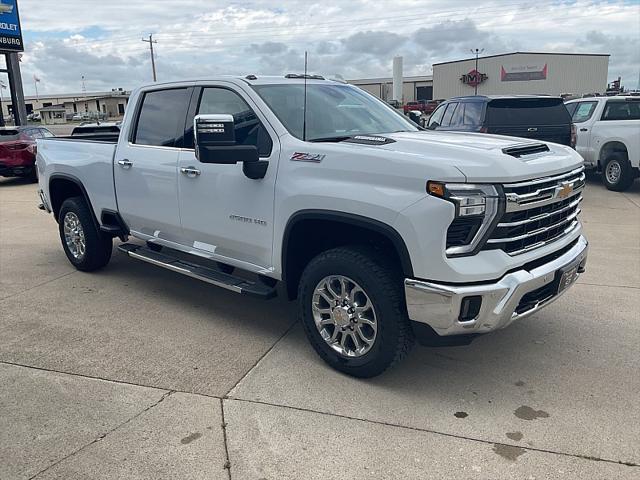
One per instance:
(102, 40)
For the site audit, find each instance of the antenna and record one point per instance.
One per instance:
(304, 108)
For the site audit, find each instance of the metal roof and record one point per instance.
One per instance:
(526, 53)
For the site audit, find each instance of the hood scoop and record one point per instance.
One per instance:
(524, 150)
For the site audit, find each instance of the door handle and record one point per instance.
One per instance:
(190, 172)
(584, 129)
(124, 163)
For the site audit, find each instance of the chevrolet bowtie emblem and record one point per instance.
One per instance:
(566, 190)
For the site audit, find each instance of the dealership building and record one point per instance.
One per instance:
(517, 73)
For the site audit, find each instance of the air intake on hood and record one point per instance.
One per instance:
(522, 150)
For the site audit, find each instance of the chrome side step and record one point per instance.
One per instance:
(206, 274)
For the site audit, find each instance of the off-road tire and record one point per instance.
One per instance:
(383, 283)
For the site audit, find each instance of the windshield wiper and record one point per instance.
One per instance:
(340, 138)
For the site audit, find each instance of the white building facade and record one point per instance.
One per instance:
(522, 73)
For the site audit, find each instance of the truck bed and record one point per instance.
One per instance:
(85, 161)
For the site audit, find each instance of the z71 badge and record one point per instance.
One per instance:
(307, 157)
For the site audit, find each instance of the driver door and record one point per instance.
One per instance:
(225, 215)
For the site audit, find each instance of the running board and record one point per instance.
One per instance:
(206, 274)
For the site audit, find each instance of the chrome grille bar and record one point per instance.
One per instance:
(542, 216)
(535, 232)
(565, 232)
(538, 181)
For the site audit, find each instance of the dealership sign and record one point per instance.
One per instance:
(10, 32)
(523, 73)
(473, 78)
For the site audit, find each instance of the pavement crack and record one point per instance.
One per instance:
(227, 463)
(22, 292)
(289, 328)
(102, 436)
(444, 434)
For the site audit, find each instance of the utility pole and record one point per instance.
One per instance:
(477, 52)
(151, 41)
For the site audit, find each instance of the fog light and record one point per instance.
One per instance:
(470, 308)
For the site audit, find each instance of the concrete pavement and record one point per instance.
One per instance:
(135, 372)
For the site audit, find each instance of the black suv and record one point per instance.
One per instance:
(538, 117)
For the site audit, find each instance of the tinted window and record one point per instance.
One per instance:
(161, 117)
(248, 129)
(9, 134)
(458, 114)
(46, 133)
(472, 113)
(583, 111)
(436, 117)
(33, 133)
(571, 107)
(527, 111)
(448, 114)
(621, 110)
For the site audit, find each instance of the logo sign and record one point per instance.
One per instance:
(473, 78)
(565, 190)
(10, 31)
(523, 73)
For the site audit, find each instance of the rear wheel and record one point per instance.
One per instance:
(617, 173)
(86, 247)
(352, 308)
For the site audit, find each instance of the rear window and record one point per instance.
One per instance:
(8, 135)
(527, 111)
(161, 117)
(621, 110)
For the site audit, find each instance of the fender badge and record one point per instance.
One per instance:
(307, 157)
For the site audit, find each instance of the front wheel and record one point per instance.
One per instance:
(617, 173)
(86, 247)
(351, 304)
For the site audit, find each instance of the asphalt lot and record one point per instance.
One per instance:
(136, 372)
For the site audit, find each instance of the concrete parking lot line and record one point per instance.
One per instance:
(49, 416)
(267, 441)
(556, 363)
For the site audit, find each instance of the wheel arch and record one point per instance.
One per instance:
(63, 186)
(338, 229)
(612, 146)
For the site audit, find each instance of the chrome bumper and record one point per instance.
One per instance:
(438, 305)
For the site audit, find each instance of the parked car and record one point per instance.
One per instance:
(382, 231)
(18, 150)
(609, 137)
(34, 117)
(536, 117)
(109, 130)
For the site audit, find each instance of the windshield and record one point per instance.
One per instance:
(332, 111)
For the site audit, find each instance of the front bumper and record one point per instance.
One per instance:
(438, 305)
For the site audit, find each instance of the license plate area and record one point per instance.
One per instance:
(566, 276)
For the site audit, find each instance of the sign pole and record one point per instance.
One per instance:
(15, 85)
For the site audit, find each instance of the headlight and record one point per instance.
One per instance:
(476, 206)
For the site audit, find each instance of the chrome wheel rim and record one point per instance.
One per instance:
(74, 235)
(344, 316)
(613, 171)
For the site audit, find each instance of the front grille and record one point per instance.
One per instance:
(536, 297)
(538, 212)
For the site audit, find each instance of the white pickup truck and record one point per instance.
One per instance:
(608, 130)
(317, 190)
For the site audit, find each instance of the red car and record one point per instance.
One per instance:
(18, 150)
(424, 106)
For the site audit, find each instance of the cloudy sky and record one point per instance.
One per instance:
(100, 39)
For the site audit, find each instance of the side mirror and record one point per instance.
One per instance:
(433, 126)
(215, 142)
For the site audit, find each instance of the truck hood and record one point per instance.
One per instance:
(480, 157)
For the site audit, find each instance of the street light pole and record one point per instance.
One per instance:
(477, 52)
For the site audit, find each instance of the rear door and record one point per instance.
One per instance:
(146, 165)
(539, 118)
